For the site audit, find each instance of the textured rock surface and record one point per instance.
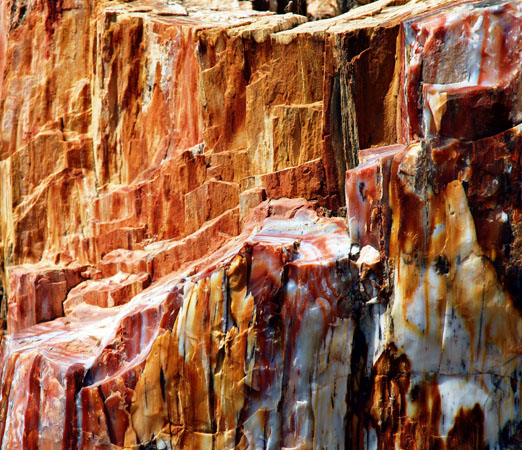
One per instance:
(171, 273)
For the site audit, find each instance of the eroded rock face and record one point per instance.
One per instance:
(445, 212)
(173, 274)
(199, 359)
(462, 72)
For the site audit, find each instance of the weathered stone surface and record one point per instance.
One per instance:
(162, 292)
(153, 84)
(144, 363)
(444, 214)
(37, 293)
(462, 73)
(456, 324)
(107, 292)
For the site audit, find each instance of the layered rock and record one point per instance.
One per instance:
(445, 213)
(157, 293)
(200, 360)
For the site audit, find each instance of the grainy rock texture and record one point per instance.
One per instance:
(175, 268)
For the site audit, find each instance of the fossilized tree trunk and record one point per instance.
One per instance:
(177, 268)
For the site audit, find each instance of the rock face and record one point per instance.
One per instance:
(176, 272)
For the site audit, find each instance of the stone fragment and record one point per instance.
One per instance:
(37, 293)
(367, 196)
(106, 292)
(307, 180)
(250, 199)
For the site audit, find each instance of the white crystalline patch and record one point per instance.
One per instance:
(438, 230)
(494, 396)
(353, 227)
(474, 53)
(262, 433)
(437, 104)
(369, 255)
(375, 327)
(181, 317)
(370, 439)
(254, 430)
(318, 242)
(456, 345)
(298, 412)
(416, 322)
(163, 444)
(176, 9)
(308, 340)
(331, 373)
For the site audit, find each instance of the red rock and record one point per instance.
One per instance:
(460, 82)
(103, 355)
(449, 247)
(367, 198)
(146, 78)
(250, 199)
(208, 202)
(306, 180)
(108, 292)
(37, 294)
(119, 160)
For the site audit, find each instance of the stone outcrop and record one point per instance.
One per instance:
(176, 268)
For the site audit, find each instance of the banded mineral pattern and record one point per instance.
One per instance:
(223, 228)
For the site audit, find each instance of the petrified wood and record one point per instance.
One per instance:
(230, 229)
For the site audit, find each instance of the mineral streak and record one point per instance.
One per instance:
(171, 273)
